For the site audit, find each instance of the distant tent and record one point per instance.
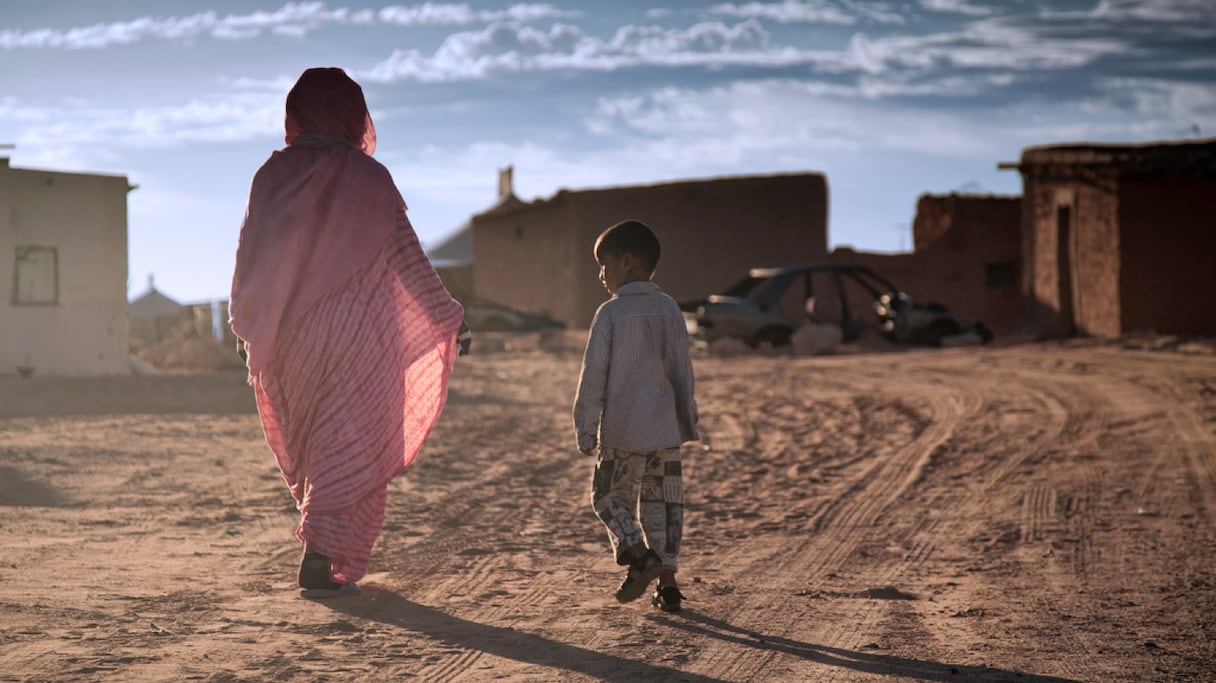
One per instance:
(152, 315)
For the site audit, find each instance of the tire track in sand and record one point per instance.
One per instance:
(850, 520)
(838, 530)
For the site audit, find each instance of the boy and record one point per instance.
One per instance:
(634, 408)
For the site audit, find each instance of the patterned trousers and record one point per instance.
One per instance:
(640, 499)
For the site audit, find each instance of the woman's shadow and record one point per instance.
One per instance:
(386, 607)
(389, 608)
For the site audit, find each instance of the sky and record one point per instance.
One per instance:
(890, 100)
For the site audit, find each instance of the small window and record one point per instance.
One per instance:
(1001, 275)
(36, 277)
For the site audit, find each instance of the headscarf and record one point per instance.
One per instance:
(318, 210)
(325, 101)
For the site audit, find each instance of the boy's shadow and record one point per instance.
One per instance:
(865, 662)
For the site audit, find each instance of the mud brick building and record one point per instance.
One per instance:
(966, 255)
(536, 256)
(453, 260)
(1119, 238)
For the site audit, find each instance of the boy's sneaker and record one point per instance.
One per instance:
(641, 572)
(667, 598)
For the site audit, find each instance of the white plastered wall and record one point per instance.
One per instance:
(84, 219)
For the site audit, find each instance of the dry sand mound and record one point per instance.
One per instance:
(184, 349)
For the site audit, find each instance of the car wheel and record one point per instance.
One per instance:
(938, 330)
(982, 330)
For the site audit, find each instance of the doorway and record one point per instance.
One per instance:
(1064, 254)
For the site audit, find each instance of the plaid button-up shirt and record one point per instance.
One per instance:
(635, 391)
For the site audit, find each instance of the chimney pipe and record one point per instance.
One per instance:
(506, 184)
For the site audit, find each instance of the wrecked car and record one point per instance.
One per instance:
(770, 303)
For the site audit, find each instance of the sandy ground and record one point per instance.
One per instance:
(1040, 512)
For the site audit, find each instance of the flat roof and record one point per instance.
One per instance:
(1193, 155)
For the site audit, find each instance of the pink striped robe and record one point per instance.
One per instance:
(355, 388)
(350, 337)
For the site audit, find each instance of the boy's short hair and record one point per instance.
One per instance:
(631, 237)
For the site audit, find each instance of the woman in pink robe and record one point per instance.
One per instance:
(349, 334)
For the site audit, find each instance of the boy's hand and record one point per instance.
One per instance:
(587, 451)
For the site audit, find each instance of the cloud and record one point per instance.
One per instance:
(294, 19)
(460, 14)
(1038, 42)
(845, 12)
(1040, 63)
(54, 134)
(1170, 104)
(1155, 11)
(786, 12)
(297, 17)
(512, 47)
(986, 44)
(956, 7)
(790, 122)
(779, 118)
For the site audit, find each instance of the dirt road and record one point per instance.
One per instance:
(1030, 513)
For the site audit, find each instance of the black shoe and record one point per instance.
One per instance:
(314, 572)
(667, 598)
(641, 572)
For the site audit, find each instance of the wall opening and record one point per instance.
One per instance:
(36, 276)
(1000, 275)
